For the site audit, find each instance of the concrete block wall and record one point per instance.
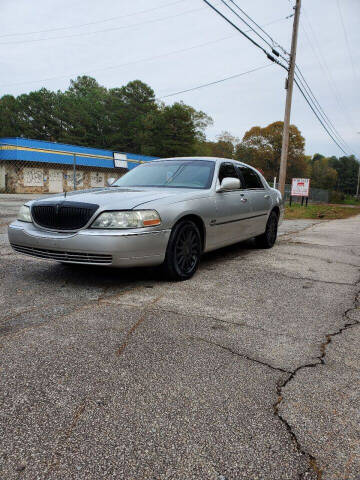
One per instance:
(19, 177)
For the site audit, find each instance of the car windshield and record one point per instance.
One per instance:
(171, 173)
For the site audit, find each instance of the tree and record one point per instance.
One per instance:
(347, 170)
(225, 145)
(9, 117)
(38, 115)
(170, 132)
(127, 108)
(127, 118)
(322, 175)
(261, 147)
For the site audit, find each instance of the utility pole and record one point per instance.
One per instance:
(289, 86)
(74, 170)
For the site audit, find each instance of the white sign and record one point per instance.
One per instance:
(300, 187)
(97, 179)
(120, 160)
(79, 178)
(33, 177)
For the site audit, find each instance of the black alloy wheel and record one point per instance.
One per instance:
(268, 238)
(183, 251)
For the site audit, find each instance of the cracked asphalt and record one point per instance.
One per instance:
(249, 371)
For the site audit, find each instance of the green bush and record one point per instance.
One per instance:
(337, 197)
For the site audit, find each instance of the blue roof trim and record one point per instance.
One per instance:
(52, 156)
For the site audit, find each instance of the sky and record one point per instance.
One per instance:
(177, 45)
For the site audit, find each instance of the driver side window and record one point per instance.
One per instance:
(227, 170)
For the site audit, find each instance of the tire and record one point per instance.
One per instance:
(268, 238)
(183, 251)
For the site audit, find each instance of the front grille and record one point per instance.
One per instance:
(63, 215)
(78, 257)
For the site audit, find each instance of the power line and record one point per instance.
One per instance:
(305, 90)
(300, 77)
(246, 23)
(134, 62)
(274, 43)
(102, 31)
(126, 64)
(317, 116)
(271, 45)
(270, 57)
(325, 68)
(313, 104)
(215, 82)
(347, 40)
(92, 23)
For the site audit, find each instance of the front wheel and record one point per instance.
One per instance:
(268, 238)
(183, 251)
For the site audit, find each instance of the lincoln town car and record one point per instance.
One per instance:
(166, 212)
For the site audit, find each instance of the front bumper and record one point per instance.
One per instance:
(96, 247)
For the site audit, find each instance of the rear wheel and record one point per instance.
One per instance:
(183, 251)
(268, 238)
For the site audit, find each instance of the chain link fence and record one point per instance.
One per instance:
(33, 166)
(317, 195)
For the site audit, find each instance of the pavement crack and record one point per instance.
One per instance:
(56, 456)
(313, 465)
(105, 298)
(332, 262)
(315, 280)
(246, 357)
(136, 325)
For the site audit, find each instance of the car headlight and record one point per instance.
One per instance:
(24, 214)
(127, 219)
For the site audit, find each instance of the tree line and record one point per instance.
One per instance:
(130, 119)
(125, 119)
(261, 148)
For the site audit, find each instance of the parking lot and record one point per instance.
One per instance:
(250, 370)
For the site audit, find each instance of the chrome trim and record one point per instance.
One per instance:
(118, 233)
(237, 220)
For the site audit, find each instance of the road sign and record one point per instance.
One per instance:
(300, 187)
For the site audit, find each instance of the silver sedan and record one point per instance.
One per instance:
(166, 212)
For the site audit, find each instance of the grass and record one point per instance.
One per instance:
(350, 200)
(321, 211)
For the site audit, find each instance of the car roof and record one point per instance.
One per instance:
(211, 159)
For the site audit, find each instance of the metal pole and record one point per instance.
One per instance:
(357, 186)
(274, 182)
(289, 86)
(74, 171)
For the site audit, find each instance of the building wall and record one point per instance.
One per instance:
(20, 177)
(37, 166)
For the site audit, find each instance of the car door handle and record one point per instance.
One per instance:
(266, 196)
(243, 199)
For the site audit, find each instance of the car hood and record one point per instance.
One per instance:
(113, 198)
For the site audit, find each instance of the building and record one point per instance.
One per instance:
(36, 166)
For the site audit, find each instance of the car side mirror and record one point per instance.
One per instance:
(229, 183)
(110, 181)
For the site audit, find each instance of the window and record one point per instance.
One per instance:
(227, 170)
(169, 174)
(251, 178)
